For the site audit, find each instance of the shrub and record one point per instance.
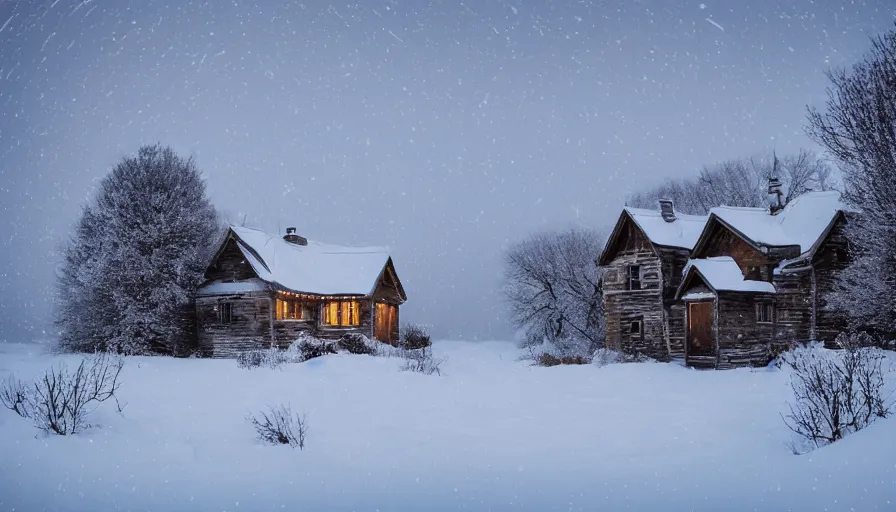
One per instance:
(271, 358)
(546, 359)
(280, 426)
(311, 347)
(61, 400)
(14, 395)
(837, 392)
(356, 343)
(421, 361)
(413, 337)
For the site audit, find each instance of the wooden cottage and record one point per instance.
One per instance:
(262, 290)
(642, 265)
(757, 280)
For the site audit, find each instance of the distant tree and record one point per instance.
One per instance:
(552, 290)
(137, 254)
(858, 127)
(740, 182)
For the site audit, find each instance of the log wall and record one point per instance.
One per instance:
(248, 329)
(831, 258)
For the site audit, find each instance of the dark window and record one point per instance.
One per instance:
(634, 329)
(225, 312)
(634, 277)
(842, 255)
(765, 313)
(754, 272)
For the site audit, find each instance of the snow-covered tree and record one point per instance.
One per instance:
(740, 182)
(858, 127)
(552, 290)
(136, 256)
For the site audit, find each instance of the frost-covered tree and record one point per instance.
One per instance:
(740, 182)
(136, 256)
(858, 127)
(551, 287)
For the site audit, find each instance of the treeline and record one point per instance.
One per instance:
(741, 182)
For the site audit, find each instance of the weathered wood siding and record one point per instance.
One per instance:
(248, 329)
(721, 241)
(743, 341)
(673, 261)
(230, 265)
(831, 258)
(624, 306)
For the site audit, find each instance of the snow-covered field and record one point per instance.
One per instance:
(490, 434)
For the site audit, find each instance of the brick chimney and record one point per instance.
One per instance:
(776, 204)
(667, 210)
(293, 238)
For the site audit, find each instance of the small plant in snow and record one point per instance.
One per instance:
(279, 425)
(421, 361)
(14, 395)
(837, 392)
(61, 400)
(355, 343)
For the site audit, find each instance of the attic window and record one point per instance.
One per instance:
(342, 313)
(634, 277)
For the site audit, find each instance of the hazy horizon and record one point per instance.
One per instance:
(444, 131)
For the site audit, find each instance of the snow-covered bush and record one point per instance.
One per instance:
(414, 336)
(279, 425)
(61, 400)
(262, 358)
(421, 361)
(14, 395)
(355, 343)
(837, 392)
(311, 347)
(561, 351)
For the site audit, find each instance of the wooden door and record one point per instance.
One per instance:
(384, 322)
(701, 341)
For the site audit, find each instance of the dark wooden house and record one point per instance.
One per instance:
(757, 280)
(263, 290)
(642, 266)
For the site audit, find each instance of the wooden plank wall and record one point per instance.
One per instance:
(249, 327)
(830, 259)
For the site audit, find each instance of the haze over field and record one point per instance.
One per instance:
(441, 130)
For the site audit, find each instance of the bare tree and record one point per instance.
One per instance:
(741, 182)
(552, 290)
(858, 127)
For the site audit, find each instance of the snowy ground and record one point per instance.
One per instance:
(490, 434)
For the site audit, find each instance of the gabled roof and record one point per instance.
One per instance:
(803, 222)
(682, 233)
(316, 268)
(721, 273)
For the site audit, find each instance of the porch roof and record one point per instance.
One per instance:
(721, 273)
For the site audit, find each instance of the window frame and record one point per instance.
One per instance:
(629, 279)
(305, 306)
(769, 309)
(354, 320)
(639, 335)
(224, 312)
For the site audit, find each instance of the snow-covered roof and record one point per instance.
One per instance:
(224, 288)
(721, 273)
(316, 268)
(802, 221)
(682, 232)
